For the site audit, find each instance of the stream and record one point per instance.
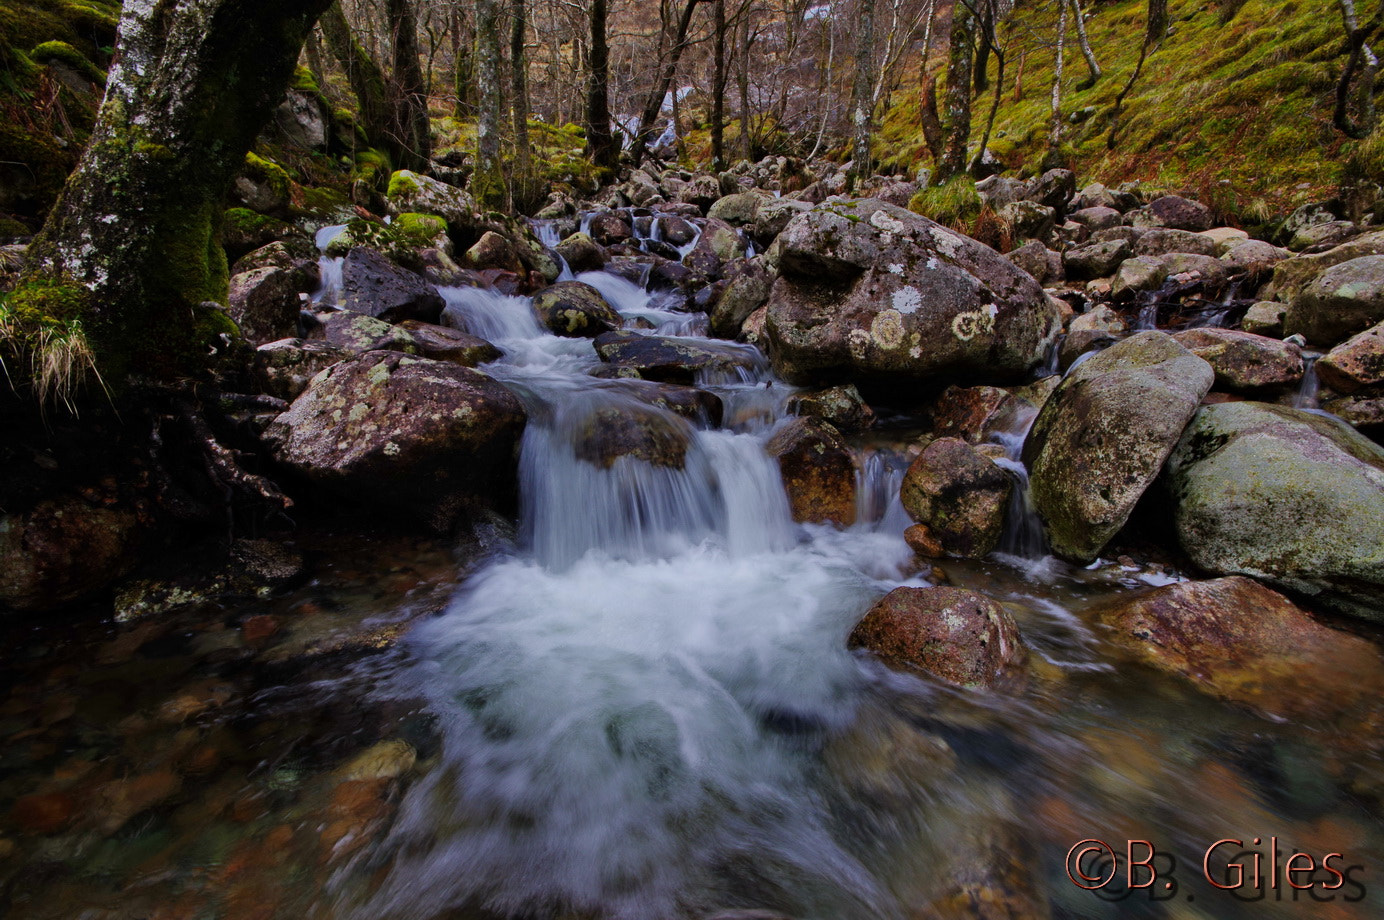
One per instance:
(640, 704)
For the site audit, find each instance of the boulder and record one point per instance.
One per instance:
(1095, 260)
(1245, 362)
(703, 191)
(1238, 640)
(1363, 412)
(1161, 241)
(63, 551)
(676, 231)
(1286, 496)
(1265, 318)
(674, 360)
(574, 309)
(1345, 299)
(1321, 237)
(609, 434)
(284, 368)
(373, 285)
(773, 216)
(951, 634)
(974, 414)
(818, 471)
(959, 495)
(442, 343)
(411, 193)
(871, 293)
(696, 405)
(842, 406)
(1225, 238)
(495, 251)
(1102, 437)
(1291, 276)
(1174, 212)
(746, 292)
(1138, 275)
(608, 229)
(302, 120)
(1254, 256)
(738, 210)
(582, 253)
(1098, 218)
(1356, 363)
(1053, 189)
(412, 438)
(1029, 220)
(265, 302)
(1032, 257)
(357, 333)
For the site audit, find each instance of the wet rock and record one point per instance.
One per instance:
(701, 407)
(1095, 260)
(959, 495)
(609, 434)
(575, 309)
(1363, 412)
(1345, 299)
(583, 254)
(1162, 241)
(442, 343)
(872, 293)
(1238, 640)
(989, 874)
(1174, 212)
(43, 812)
(283, 368)
(672, 360)
(356, 333)
(718, 244)
(746, 292)
(62, 551)
(1286, 496)
(1356, 363)
(886, 759)
(1101, 439)
(386, 760)
(411, 193)
(494, 251)
(676, 231)
(417, 438)
(373, 285)
(116, 802)
(974, 413)
(265, 302)
(1265, 318)
(357, 809)
(1188, 266)
(608, 229)
(842, 406)
(1245, 362)
(1137, 275)
(818, 471)
(952, 634)
(923, 542)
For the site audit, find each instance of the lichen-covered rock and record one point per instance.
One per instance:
(582, 253)
(1265, 318)
(1097, 218)
(703, 191)
(1245, 362)
(1364, 412)
(745, 293)
(975, 413)
(418, 439)
(265, 302)
(871, 293)
(702, 407)
(442, 343)
(719, 243)
(1238, 640)
(1137, 275)
(357, 333)
(373, 285)
(494, 251)
(575, 309)
(1356, 363)
(1345, 299)
(1029, 220)
(1162, 240)
(674, 360)
(1291, 276)
(1095, 260)
(1286, 496)
(1053, 189)
(609, 229)
(1321, 237)
(1174, 212)
(738, 210)
(1102, 437)
(62, 551)
(676, 231)
(302, 120)
(773, 215)
(842, 406)
(1254, 256)
(1032, 257)
(818, 471)
(411, 193)
(284, 368)
(959, 495)
(952, 634)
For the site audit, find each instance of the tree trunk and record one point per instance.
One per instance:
(132, 248)
(931, 122)
(488, 182)
(1157, 22)
(718, 90)
(1092, 65)
(368, 82)
(654, 104)
(746, 136)
(982, 63)
(992, 39)
(1359, 58)
(956, 120)
(600, 144)
(412, 141)
(1154, 31)
(463, 66)
(862, 93)
(1055, 126)
(524, 184)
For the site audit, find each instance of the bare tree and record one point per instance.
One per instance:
(956, 117)
(524, 187)
(862, 96)
(1361, 60)
(1055, 125)
(1092, 65)
(600, 144)
(488, 182)
(668, 70)
(410, 104)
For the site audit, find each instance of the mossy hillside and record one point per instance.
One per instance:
(1237, 112)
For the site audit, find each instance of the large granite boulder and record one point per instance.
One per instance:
(1356, 363)
(574, 309)
(1343, 300)
(416, 439)
(375, 286)
(1101, 439)
(1245, 362)
(868, 292)
(1287, 496)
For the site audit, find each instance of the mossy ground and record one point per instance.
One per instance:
(1237, 112)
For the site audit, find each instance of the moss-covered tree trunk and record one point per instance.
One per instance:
(956, 115)
(133, 245)
(411, 133)
(488, 183)
(368, 82)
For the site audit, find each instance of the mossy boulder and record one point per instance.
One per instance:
(1356, 363)
(871, 293)
(411, 193)
(951, 634)
(582, 253)
(745, 293)
(416, 439)
(1102, 437)
(1343, 300)
(1290, 497)
(574, 309)
(244, 231)
(817, 469)
(960, 495)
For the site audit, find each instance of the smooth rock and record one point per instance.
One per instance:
(1245, 362)
(959, 495)
(1345, 299)
(674, 360)
(373, 285)
(574, 309)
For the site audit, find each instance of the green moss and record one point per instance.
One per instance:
(11, 229)
(44, 302)
(956, 204)
(269, 173)
(403, 184)
(305, 82)
(318, 201)
(64, 53)
(419, 229)
(243, 221)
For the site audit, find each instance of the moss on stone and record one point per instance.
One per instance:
(305, 82)
(402, 184)
(420, 230)
(321, 202)
(44, 302)
(64, 53)
(269, 173)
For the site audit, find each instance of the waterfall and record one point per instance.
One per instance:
(328, 293)
(1023, 531)
(1306, 396)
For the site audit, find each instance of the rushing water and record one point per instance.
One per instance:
(644, 707)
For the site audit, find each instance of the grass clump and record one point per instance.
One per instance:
(43, 342)
(955, 204)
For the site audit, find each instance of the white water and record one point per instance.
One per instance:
(328, 293)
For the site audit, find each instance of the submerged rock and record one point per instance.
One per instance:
(959, 495)
(575, 309)
(818, 471)
(609, 434)
(415, 438)
(1102, 437)
(953, 634)
(62, 551)
(872, 293)
(1284, 495)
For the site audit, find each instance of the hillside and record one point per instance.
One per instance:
(1234, 105)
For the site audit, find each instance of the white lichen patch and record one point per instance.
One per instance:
(887, 329)
(391, 449)
(895, 269)
(948, 243)
(858, 340)
(933, 264)
(966, 326)
(907, 299)
(882, 220)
